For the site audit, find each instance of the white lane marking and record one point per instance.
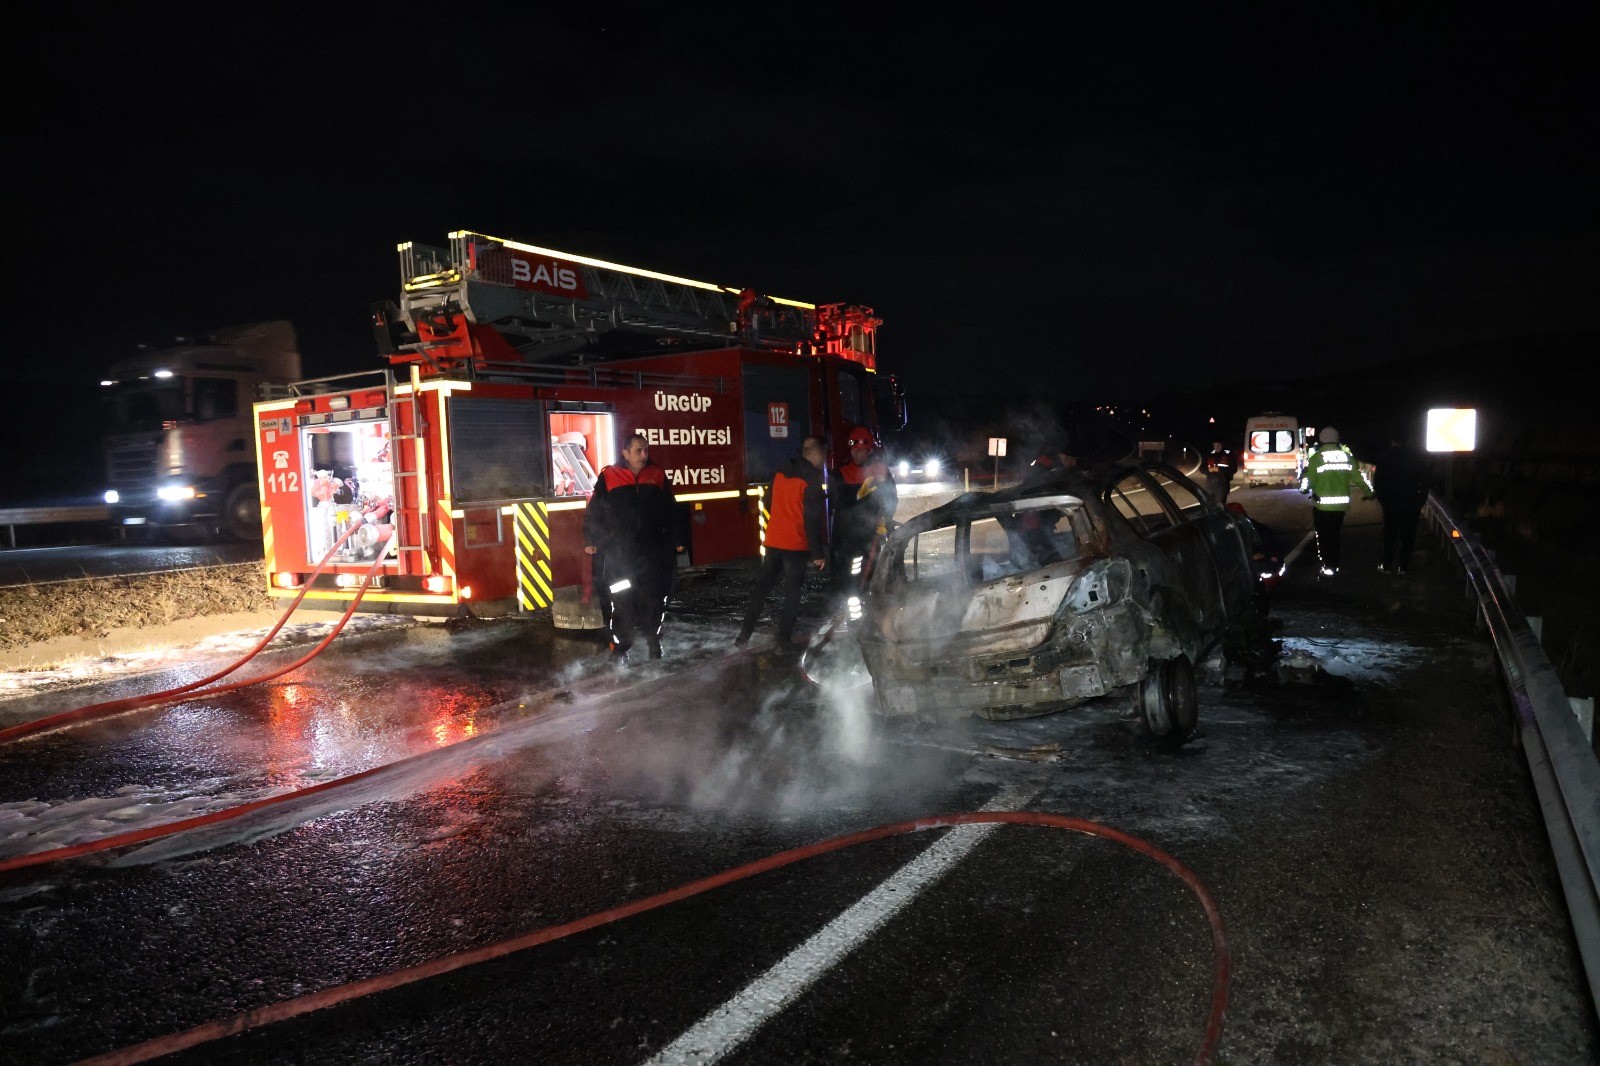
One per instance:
(730, 1025)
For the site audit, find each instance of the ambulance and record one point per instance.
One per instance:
(1272, 450)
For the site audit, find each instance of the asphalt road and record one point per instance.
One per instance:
(26, 566)
(1371, 838)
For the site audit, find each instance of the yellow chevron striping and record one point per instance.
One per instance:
(532, 551)
(266, 538)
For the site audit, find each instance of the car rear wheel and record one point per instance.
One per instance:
(1167, 702)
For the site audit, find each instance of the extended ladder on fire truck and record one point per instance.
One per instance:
(559, 307)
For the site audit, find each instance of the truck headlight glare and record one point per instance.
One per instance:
(113, 496)
(174, 493)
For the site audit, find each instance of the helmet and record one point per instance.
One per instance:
(1329, 435)
(861, 437)
(1236, 508)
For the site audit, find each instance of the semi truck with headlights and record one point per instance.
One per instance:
(179, 447)
(512, 374)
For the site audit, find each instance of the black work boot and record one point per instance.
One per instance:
(654, 644)
(743, 638)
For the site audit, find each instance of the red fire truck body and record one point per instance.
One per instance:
(480, 444)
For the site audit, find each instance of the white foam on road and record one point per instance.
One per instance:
(730, 1025)
(1366, 661)
(156, 655)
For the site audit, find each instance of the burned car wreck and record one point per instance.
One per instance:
(1112, 582)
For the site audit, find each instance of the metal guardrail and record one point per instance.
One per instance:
(13, 517)
(1562, 761)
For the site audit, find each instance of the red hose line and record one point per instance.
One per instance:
(328, 997)
(186, 691)
(198, 821)
(183, 825)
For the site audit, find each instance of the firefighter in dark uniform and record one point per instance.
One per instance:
(1052, 460)
(633, 528)
(861, 502)
(796, 538)
(1219, 471)
(1400, 482)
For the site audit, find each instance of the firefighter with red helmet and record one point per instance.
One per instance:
(633, 528)
(861, 503)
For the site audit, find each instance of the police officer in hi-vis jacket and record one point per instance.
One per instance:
(1331, 478)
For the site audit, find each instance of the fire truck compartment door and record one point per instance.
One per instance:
(764, 450)
(498, 449)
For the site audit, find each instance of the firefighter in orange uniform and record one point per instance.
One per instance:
(861, 502)
(796, 538)
(632, 527)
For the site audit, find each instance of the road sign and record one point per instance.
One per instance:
(1452, 429)
(997, 446)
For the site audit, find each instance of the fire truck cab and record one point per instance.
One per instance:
(514, 373)
(177, 443)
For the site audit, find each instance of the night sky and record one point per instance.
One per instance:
(1166, 196)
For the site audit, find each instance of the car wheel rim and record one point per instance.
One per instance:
(1153, 701)
(1180, 696)
(1167, 698)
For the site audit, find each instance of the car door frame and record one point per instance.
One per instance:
(1186, 546)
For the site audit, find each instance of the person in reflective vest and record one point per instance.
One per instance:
(796, 538)
(862, 498)
(1332, 476)
(633, 528)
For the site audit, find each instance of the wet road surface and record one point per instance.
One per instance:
(1371, 838)
(27, 566)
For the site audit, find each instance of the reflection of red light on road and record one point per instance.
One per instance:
(290, 709)
(449, 731)
(284, 710)
(452, 713)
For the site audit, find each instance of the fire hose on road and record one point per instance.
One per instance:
(128, 838)
(1221, 973)
(194, 689)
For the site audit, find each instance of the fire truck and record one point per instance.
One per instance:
(513, 374)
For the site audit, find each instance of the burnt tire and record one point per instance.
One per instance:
(1167, 704)
(241, 512)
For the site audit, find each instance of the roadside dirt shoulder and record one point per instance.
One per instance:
(105, 608)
